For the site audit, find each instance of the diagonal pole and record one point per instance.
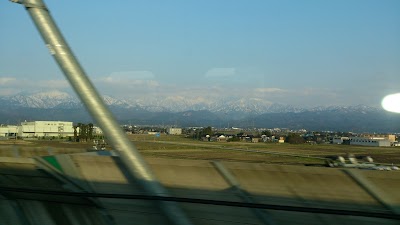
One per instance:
(84, 88)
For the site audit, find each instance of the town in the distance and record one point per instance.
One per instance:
(66, 131)
(74, 131)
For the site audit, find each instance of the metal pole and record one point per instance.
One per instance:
(72, 70)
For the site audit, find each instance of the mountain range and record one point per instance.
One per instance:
(198, 111)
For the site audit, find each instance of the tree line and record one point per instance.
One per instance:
(83, 132)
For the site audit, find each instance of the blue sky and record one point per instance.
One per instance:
(304, 53)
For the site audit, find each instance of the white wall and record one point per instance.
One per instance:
(369, 142)
(175, 131)
(339, 140)
(46, 129)
(3, 131)
(6, 131)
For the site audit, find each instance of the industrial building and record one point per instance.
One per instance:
(390, 137)
(8, 131)
(38, 129)
(46, 129)
(377, 140)
(174, 131)
(371, 141)
(339, 140)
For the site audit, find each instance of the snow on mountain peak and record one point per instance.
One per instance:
(221, 105)
(48, 99)
(52, 94)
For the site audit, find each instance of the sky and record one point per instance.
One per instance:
(298, 52)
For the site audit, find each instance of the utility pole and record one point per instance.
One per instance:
(87, 93)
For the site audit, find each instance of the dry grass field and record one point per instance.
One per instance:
(180, 147)
(170, 146)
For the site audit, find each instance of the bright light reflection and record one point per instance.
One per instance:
(391, 103)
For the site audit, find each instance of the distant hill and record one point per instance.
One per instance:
(239, 113)
(330, 120)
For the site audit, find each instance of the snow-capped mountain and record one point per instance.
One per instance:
(344, 109)
(53, 99)
(43, 100)
(200, 111)
(58, 99)
(220, 106)
(116, 102)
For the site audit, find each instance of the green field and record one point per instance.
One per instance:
(170, 146)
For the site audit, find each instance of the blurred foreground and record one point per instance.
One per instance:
(305, 195)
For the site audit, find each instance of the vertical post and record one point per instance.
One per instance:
(83, 87)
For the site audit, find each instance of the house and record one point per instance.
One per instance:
(221, 138)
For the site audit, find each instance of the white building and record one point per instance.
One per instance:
(8, 131)
(46, 129)
(339, 140)
(97, 130)
(221, 138)
(174, 131)
(390, 137)
(370, 141)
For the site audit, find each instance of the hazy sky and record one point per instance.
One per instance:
(304, 53)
